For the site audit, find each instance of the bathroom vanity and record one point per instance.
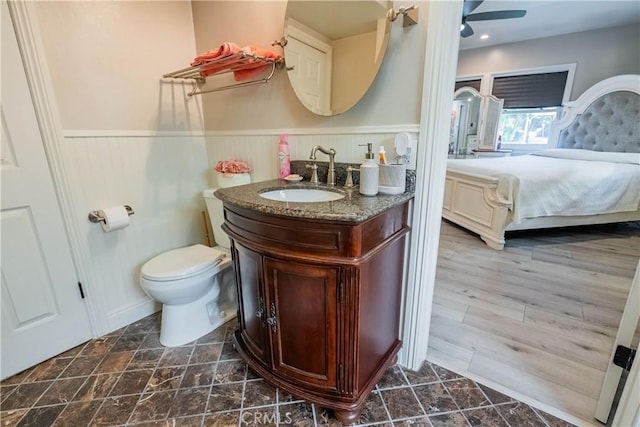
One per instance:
(319, 288)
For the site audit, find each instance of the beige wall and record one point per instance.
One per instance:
(394, 98)
(106, 59)
(598, 54)
(352, 68)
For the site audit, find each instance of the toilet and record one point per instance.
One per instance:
(195, 284)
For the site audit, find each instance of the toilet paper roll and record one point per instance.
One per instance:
(115, 218)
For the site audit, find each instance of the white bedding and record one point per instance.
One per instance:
(562, 182)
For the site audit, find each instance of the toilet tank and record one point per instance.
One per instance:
(216, 216)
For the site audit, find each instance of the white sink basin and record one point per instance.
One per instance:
(302, 195)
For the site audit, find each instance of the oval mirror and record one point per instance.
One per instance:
(334, 50)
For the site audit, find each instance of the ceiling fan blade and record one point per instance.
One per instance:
(467, 31)
(469, 6)
(498, 14)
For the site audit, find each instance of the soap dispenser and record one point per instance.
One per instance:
(369, 173)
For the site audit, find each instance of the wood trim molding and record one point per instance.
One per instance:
(628, 412)
(41, 88)
(124, 316)
(441, 56)
(347, 130)
(130, 134)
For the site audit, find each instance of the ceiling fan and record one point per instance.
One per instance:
(470, 5)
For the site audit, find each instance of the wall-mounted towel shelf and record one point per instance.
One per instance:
(236, 63)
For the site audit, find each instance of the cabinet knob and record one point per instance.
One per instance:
(260, 311)
(272, 321)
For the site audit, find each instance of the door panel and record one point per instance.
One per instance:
(42, 311)
(248, 269)
(303, 302)
(28, 285)
(309, 75)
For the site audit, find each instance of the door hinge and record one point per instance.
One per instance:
(623, 357)
(81, 290)
(340, 292)
(339, 370)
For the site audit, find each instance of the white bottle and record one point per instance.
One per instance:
(369, 174)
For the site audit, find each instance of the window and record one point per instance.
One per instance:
(526, 125)
(531, 103)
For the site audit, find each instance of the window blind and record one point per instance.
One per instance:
(531, 90)
(471, 83)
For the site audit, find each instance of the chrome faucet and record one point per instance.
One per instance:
(331, 175)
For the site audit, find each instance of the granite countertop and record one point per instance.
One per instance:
(354, 207)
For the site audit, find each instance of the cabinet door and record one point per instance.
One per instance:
(251, 301)
(303, 318)
(490, 112)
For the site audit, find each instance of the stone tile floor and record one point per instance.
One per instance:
(126, 378)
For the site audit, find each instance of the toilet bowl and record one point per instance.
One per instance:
(195, 285)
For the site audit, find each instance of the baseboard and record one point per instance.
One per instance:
(131, 313)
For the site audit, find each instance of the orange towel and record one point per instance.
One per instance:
(253, 67)
(225, 58)
(225, 49)
(220, 59)
(217, 66)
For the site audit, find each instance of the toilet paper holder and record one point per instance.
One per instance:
(94, 216)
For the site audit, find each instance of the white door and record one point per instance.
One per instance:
(43, 313)
(309, 76)
(629, 405)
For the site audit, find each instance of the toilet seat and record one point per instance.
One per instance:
(182, 263)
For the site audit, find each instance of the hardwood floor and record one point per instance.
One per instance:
(538, 318)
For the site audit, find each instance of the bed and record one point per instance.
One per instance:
(592, 177)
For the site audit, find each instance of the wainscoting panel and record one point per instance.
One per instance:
(261, 151)
(161, 177)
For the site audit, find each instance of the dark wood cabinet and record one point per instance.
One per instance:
(319, 302)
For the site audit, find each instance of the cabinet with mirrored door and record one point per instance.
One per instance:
(474, 123)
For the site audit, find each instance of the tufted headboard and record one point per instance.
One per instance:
(605, 118)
